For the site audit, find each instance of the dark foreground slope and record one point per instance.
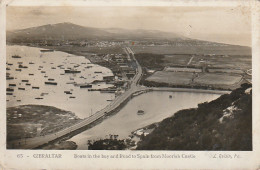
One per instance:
(223, 124)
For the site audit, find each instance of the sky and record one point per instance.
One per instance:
(230, 25)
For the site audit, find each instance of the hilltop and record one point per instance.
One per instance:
(69, 31)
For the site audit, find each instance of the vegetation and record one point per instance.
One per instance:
(223, 124)
(107, 144)
(150, 61)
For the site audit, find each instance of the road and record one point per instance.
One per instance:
(116, 103)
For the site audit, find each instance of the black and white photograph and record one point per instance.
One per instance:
(125, 84)
(133, 78)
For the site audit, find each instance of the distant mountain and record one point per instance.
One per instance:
(70, 31)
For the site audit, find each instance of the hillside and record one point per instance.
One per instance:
(223, 124)
(70, 31)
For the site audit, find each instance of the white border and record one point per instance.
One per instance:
(203, 160)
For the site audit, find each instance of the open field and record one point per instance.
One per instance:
(33, 120)
(217, 79)
(218, 50)
(171, 77)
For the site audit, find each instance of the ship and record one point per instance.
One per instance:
(86, 86)
(67, 92)
(16, 56)
(51, 83)
(140, 112)
(72, 71)
(47, 50)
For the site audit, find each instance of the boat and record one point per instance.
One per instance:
(51, 83)
(51, 79)
(86, 86)
(33, 87)
(47, 50)
(72, 71)
(43, 94)
(9, 78)
(21, 66)
(16, 56)
(67, 92)
(140, 112)
(12, 85)
(9, 89)
(27, 84)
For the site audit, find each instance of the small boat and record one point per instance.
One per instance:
(43, 72)
(31, 63)
(51, 83)
(27, 84)
(10, 64)
(33, 87)
(72, 97)
(9, 78)
(9, 94)
(140, 112)
(12, 85)
(86, 86)
(38, 98)
(98, 72)
(21, 66)
(7, 68)
(43, 94)
(51, 79)
(16, 56)
(20, 88)
(30, 74)
(53, 67)
(18, 69)
(67, 92)
(72, 71)
(45, 76)
(9, 89)
(25, 80)
(47, 50)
